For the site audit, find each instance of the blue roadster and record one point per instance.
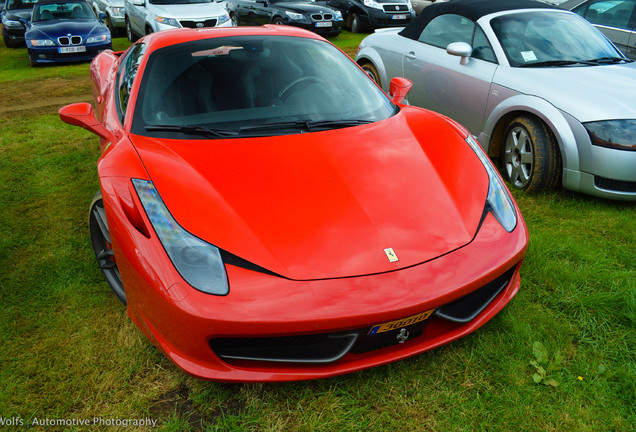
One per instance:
(65, 31)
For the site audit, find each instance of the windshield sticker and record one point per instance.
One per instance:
(528, 56)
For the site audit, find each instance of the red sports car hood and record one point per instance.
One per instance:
(326, 204)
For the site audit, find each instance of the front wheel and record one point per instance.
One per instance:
(355, 23)
(129, 32)
(103, 248)
(372, 71)
(234, 18)
(278, 21)
(530, 155)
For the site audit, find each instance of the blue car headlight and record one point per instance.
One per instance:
(498, 201)
(103, 38)
(42, 42)
(198, 262)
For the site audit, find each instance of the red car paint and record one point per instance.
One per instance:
(317, 211)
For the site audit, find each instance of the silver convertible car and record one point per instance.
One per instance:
(538, 86)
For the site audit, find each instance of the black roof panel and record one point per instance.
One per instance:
(471, 9)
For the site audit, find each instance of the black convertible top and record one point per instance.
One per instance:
(471, 9)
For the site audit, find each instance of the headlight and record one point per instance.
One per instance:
(337, 16)
(373, 4)
(12, 24)
(616, 134)
(198, 262)
(168, 21)
(295, 16)
(117, 11)
(498, 202)
(98, 38)
(42, 42)
(223, 18)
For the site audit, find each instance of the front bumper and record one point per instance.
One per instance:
(185, 323)
(315, 26)
(42, 55)
(193, 23)
(377, 18)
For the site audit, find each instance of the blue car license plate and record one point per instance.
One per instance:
(71, 49)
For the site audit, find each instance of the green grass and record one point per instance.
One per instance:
(68, 349)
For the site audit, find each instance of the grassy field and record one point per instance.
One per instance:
(560, 357)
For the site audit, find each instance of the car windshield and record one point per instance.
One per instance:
(545, 38)
(254, 86)
(63, 11)
(20, 4)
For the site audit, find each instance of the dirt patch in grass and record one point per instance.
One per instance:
(37, 96)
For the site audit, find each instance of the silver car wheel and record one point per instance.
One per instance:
(519, 157)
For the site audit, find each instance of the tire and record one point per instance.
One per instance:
(530, 156)
(278, 21)
(32, 62)
(355, 23)
(372, 71)
(132, 37)
(103, 248)
(234, 18)
(114, 31)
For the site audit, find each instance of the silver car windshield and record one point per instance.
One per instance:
(254, 85)
(551, 38)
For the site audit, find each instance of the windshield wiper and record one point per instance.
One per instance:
(551, 63)
(610, 60)
(304, 125)
(193, 130)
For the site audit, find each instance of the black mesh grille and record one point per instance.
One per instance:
(329, 347)
(73, 40)
(395, 8)
(614, 185)
(198, 24)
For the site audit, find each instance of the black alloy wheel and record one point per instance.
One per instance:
(103, 248)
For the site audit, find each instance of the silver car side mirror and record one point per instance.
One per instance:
(460, 49)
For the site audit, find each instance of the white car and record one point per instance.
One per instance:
(114, 10)
(148, 16)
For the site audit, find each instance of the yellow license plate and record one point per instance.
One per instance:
(404, 322)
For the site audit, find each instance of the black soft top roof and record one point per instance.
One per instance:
(471, 9)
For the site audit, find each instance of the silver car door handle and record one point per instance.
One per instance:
(410, 55)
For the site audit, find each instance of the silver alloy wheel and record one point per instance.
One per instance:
(519, 157)
(234, 19)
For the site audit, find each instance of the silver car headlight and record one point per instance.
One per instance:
(198, 262)
(167, 21)
(373, 4)
(117, 11)
(222, 19)
(498, 202)
(616, 134)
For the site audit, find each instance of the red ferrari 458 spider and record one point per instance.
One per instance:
(267, 213)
